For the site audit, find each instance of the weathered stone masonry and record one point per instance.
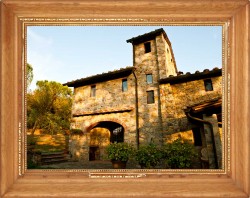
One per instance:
(158, 109)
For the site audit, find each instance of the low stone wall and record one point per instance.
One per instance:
(79, 148)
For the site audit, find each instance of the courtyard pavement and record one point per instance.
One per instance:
(79, 165)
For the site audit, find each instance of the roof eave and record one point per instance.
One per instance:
(145, 37)
(191, 77)
(100, 78)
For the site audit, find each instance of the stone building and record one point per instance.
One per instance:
(149, 101)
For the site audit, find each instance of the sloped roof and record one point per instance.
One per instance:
(123, 72)
(191, 77)
(148, 36)
(209, 107)
(205, 106)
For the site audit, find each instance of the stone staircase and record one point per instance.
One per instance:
(52, 158)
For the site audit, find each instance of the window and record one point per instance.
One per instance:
(93, 91)
(117, 135)
(150, 97)
(208, 85)
(124, 85)
(149, 78)
(147, 47)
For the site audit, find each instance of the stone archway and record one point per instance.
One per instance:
(102, 134)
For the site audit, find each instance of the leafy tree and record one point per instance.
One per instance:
(49, 107)
(29, 74)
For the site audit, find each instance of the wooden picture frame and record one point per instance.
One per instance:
(233, 183)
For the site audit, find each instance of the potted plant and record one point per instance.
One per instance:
(119, 154)
(148, 156)
(179, 154)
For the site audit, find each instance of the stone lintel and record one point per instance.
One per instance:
(101, 112)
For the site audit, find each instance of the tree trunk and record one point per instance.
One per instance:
(34, 128)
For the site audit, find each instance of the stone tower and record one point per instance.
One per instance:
(153, 51)
(153, 60)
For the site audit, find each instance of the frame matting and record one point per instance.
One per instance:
(15, 182)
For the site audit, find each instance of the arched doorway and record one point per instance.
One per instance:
(101, 135)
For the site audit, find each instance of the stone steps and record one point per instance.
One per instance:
(52, 158)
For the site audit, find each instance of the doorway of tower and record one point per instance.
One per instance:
(101, 135)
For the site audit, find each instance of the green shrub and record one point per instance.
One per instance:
(31, 165)
(179, 154)
(148, 156)
(119, 151)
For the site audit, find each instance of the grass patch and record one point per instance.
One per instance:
(47, 143)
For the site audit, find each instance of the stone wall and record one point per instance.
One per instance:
(109, 104)
(126, 119)
(79, 148)
(165, 58)
(175, 98)
(169, 61)
(109, 97)
(80, 145)
(154, 62)
(161, 56)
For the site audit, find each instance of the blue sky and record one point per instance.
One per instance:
(66, 53)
